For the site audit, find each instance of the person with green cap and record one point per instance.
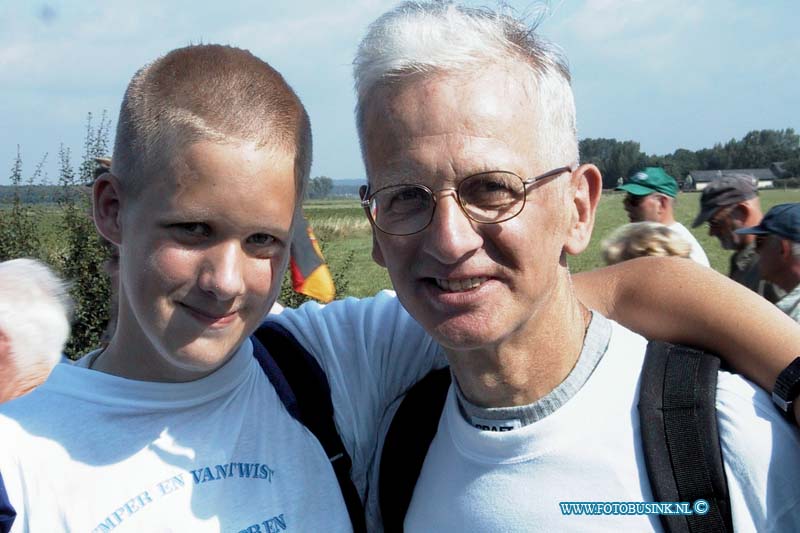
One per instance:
(651, 197)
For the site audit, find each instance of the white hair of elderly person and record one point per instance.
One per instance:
(34, 325)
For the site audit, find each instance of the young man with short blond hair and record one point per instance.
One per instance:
(174, 425)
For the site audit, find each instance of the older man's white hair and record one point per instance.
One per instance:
(426, 38)
(34, 325)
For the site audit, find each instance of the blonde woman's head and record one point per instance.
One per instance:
(641, 239)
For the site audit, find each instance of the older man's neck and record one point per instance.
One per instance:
(523, 369)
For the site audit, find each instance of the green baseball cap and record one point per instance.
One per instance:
(649, 181)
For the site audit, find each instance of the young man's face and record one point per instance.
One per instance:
(469, 284)
(202, 252)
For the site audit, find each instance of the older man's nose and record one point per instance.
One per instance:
(451, 235)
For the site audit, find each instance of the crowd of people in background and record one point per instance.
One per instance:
(198, 414)
(765, 248)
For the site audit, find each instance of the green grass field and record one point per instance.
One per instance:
(342, 227)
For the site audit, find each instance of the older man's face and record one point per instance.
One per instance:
(722, 225)
(469, 284)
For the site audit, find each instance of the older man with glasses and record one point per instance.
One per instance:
(727, 204)
(477, 198)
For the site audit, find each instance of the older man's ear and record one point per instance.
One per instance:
(377, 253)
(587, 185)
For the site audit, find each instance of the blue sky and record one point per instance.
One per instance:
(670, 74)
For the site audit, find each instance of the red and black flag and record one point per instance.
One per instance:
(310, 274)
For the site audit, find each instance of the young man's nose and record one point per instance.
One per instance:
(222, 271)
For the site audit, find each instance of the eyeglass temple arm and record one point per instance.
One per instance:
(364, 192)
(549, 174)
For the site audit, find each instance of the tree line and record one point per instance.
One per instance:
(758, 149)
(615, 159)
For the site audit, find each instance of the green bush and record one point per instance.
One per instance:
(18, 232)
(78, 254)
(85, 255)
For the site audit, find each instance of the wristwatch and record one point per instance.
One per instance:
(787, 388)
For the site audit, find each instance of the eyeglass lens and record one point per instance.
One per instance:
(489, 197)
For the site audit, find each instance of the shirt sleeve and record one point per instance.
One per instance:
(761, 453)
(372, 352)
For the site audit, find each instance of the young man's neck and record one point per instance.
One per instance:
(115, 361)
(127, 356)
(525, 368)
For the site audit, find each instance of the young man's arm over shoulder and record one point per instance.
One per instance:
(682, 302)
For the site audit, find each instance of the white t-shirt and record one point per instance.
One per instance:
(589, 450)
(92, 452)
(697, 254)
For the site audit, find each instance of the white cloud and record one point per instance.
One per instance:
(652, 35)
(325, 23)
(633, 60)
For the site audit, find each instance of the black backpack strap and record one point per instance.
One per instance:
(7, 512)
(303, 388)
(410, 435)
(677, 411)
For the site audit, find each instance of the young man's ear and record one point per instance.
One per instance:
(106, 200)
(587, 183)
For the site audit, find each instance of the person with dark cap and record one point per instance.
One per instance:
(778, 245)
(651, 198)
(727, 204)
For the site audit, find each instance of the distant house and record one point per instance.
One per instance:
(699, 179)
(779, 169)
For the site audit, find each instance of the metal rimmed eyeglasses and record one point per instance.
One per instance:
(488, 198)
